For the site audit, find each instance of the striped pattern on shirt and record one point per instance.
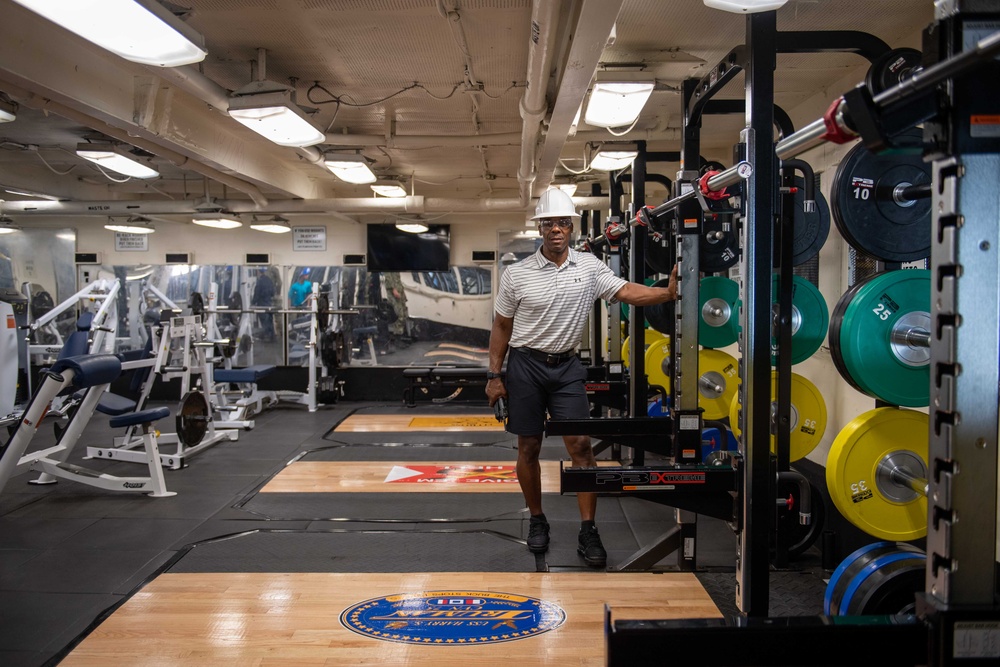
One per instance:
(550, 304)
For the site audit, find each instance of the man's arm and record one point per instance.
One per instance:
(642, 295)
(499, 341)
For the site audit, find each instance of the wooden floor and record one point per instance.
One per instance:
(267, 620)
(448, 423)
(407, 477)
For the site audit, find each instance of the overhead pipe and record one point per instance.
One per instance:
(424, 141)
(34, 101)
(533, 105)
(411, 204)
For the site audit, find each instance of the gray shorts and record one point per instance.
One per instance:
(534, 388)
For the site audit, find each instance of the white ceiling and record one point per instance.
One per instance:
(388, 78)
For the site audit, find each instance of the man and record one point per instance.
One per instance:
(542, 306)
(300, 289)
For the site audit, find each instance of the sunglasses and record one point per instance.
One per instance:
(561, 223)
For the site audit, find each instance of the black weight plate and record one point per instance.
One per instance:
(193, 416)
(891, 588)
(865, 212)
(803, 537)
(836, 321)
(323, 311)
(196, 303)
(809, 230)
(716, 255)
(711, 165)
(660, 315)
(892, 68)
(657, 256)
(235, 305)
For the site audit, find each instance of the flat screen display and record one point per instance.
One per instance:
(392, 249)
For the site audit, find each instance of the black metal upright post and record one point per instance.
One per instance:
(638, 386)
(755, 318)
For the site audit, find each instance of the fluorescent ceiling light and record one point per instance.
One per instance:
(273, 225)
(612, 160)
(617, 104)
(133, 225)
(7, 225)
(115, 158)
(389, 190)
(411, 227)
(217, 220)
(745, 6)
(142, 31)
(350, 168)
(275, 116)
(8, 111)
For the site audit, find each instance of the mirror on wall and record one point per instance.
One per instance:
(370, 319)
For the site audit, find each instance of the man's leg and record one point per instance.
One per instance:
(582, 455)
(529, 471)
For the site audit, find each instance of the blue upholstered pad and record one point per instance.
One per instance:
(141, 417)
(113, 404)
(90, 369)
(248, 374)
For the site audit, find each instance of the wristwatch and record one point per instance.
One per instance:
(490, 375)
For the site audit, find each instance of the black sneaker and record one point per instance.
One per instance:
(538, 536)
(591, 549)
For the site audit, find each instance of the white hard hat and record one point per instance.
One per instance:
(554, 203)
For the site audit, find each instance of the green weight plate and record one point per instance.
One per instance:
(884, 310)
(810, 319)
(868, 214)
(719, 322)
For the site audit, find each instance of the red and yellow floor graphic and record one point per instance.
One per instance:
(407, 477)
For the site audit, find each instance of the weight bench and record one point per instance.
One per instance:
(441, 376)
(92, 373)
(251, 400)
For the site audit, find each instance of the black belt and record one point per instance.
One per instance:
(548, 358)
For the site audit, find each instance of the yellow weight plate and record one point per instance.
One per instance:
(808, 416)
(657, 357)
(651, 336)
(852, 472)
(717, 382)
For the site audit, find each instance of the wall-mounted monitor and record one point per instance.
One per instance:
(392, 249)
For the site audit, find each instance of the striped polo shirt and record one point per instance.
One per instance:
(550, 304)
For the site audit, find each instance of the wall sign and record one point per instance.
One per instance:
(125, 242)
(309, 238)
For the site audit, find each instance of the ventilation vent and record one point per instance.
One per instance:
(179, 258)
(354, 260)
(484, 256)
(258, 258)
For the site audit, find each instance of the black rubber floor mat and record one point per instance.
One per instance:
(266, 551)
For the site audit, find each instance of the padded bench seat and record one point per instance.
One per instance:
(142, 417)
(248, 374)
(443, 376)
